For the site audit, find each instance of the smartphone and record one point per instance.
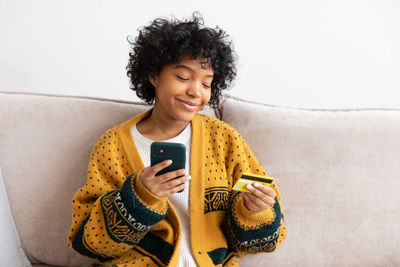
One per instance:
(176, 152)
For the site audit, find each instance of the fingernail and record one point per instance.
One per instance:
(256, 184)
(248, 186)
(169, 161)
(189, 177)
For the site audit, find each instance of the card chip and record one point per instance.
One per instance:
(237, 187)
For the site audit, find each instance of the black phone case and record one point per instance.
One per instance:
(173, 151)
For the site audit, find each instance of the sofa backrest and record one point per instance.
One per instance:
(337, 170)
(46, 142)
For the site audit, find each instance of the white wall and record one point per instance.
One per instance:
(304, 53)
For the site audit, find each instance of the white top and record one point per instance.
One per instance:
(180, 201)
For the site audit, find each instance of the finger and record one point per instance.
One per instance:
(249, 203)
(164, 178)
(265, 189)
(261, 195)
(177, 181)
(178, 188)
(255, 202)
(246, 198)
(160, 166)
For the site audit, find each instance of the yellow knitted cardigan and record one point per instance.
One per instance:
(118, 222)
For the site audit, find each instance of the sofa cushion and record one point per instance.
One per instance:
(46, 142)
(338, 173)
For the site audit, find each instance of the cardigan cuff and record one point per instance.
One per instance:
(249, 218)
(150, 200)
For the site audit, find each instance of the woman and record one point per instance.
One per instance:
(125, 215)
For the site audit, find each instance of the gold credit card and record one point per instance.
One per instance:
(248, 178)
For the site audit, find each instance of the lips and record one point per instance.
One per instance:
(189, 105)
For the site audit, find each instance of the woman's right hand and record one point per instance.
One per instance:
(164, 185)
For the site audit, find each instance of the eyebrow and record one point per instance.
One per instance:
(189, 69)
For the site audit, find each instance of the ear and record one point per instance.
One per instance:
(153, 80)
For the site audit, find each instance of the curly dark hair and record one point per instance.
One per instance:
(164, 41)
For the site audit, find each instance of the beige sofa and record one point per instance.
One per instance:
(338, 172)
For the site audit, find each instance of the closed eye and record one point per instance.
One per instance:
(183, 79)
(180, 78)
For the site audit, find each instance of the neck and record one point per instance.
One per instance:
(158, 127)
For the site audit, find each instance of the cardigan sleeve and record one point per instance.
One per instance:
(249, 232)
(113, 211)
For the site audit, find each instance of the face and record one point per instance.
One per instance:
(183, 89)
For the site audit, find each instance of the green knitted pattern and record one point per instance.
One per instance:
(78, 245)
(122, 210)
(259, 239)
(218, 255)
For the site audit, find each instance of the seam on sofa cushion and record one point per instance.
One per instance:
(78, 97)
(217, 111)
(227, 96)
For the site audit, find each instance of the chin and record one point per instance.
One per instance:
(186, 117)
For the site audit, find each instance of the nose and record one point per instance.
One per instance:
(194, 89)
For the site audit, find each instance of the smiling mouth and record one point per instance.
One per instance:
(189, 104)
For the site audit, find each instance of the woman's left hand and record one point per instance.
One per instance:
(260, 198)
